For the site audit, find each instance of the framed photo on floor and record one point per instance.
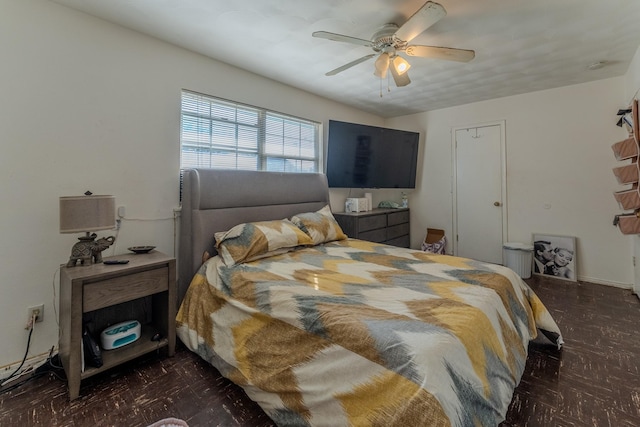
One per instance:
(554, 256)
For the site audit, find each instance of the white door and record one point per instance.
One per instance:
(479, 193)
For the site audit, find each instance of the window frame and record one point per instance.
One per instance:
(263, 115)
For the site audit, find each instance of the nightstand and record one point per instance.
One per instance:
(143, 290)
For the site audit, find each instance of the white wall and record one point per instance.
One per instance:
(632, 89)
(87, 105)
(632, 78)
(558, 145)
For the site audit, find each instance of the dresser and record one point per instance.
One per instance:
(389, 226)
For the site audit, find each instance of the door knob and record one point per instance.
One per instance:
(496, 203)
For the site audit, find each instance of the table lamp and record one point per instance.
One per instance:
(87, 213)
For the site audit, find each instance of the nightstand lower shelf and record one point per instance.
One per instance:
(142, 346)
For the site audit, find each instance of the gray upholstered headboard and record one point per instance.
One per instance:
(215, 200)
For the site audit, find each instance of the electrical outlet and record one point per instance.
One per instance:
(38, 310)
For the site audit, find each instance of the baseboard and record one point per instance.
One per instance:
(601, 282)
(32, 362)
(605, 282)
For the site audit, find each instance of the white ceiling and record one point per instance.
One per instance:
(521, 45)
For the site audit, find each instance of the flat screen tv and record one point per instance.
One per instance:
(361, 156)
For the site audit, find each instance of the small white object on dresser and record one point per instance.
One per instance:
(356, 205)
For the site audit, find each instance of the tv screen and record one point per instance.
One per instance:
(361, 156)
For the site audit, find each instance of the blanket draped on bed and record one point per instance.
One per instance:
(364, 334)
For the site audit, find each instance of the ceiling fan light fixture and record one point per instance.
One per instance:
(382, 65)
(400, 79)
(400, 65)
(391, 39)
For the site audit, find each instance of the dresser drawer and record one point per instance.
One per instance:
(401, 242)
(105, 293)
(371, 223)
(378, 236)
(397, 231)
(398, 218)
(390, 226)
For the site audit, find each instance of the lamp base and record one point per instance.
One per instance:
(88, 237)
(88, 250)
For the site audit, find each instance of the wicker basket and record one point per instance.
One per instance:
(627, 174)
(628, 199)
(625, 149)
(629, 224)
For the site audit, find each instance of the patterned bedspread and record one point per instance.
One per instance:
(364, 334)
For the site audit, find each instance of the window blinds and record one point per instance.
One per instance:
(217, 133)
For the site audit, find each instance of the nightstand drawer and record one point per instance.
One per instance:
(105, 293)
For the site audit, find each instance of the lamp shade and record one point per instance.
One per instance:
(400, 79)
(87, 213)
(401, 65)
(382, 65)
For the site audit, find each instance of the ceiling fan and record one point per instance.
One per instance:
(390, 40)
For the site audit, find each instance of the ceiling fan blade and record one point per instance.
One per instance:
(448, 53)
(400, 79)
(425, 17)
(341, 38)
(349, 65)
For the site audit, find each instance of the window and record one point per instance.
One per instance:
(217, 133)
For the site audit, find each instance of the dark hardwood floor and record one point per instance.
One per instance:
(593, 381)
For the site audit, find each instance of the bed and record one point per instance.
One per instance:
(323, 330)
